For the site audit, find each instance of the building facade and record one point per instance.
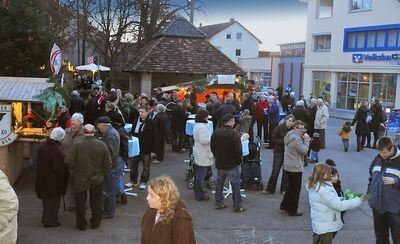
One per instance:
(291, 67)
(353, 52)
(233, 39)
(263, 70)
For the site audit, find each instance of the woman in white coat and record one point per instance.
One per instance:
(203, 157)
(326, 205)
(8, 211)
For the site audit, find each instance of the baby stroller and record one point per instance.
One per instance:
(191, 171)
(251, 167)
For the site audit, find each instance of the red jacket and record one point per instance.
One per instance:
(259, 111)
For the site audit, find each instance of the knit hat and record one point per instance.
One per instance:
(57, 134)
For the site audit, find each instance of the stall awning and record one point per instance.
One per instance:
(21, 91)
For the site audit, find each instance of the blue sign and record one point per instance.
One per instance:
(360, 57)
(394, 120)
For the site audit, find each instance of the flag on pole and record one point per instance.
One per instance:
(55, 59)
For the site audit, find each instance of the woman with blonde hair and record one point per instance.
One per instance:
(166, 221)
(326, 205)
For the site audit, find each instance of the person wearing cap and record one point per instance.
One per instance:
(111, 138)
(90, 162)
(178, 123)
(226, 146)
(72, 135)
(51, 177)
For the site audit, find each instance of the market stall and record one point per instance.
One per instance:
(21, 127)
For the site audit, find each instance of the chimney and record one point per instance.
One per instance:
(231, 20)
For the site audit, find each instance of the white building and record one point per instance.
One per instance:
(233, 39)
(353, 51)
(263, 70)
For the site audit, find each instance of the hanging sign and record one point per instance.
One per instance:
(6, 135)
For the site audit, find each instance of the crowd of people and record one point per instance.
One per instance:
(86, 156)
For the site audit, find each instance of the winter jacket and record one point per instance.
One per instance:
(321, 117)
(295, 149)
(278, 138)
(315, 144)
(360, 120)
(226, 147)
(178, 119)
(77, 105)
(117, 120)
(301, 114)
(159, 123)
(343, 134)
(326, 207)
(221, 110)
(52, 172)
(201, 149)
(113, 141)
(273, 114)
(286, 101)
(8, 211)
(259, 111)
(89, 160)
(178, 231)
(385, 198)
(145, 136)
(377, 118)
(70, 138)
(312, 112)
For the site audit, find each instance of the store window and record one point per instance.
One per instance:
(360, 5)
(322, 85)
(324, 9)
(322, 43)
(355, 87)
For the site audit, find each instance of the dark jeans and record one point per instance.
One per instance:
(111, 189)
(382, 224)
(234, 177)
(360, 141)
(290, 201)
(262, 126)
(271, 130)
(321, 133)
(326, 238)
(178, 140)
(51, 205)
(199, 176)
(276, 169)
(145, 158)
(345, 143)
(159, 149)
(96, 200)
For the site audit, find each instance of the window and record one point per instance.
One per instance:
(372, 38)
(324, 9)
(238, 35)
(360, 5)
(322, 43)
(322, 85)
(238, 52)
(228, 36)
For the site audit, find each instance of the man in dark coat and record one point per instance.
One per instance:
(279, 150)
(92, 112)
(376, 110)
(287, 102)
(51, 177)
(223, 109)
(300, 112)
(77, 105)
(178, 123)
(227, 149)
(90, 162)
(312, 111)
(212, 105)
(143, 130)
(159, 121)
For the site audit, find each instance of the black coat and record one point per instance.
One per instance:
(178, 119)
(160, 126)
(92, 112)
(145, 136)
(226, 147)
(117, 121)
(377, 119)
(301, 114)
(248, 104)
(77, 105)
(52, 173)
(277, 138)
(312, 112)
(226, 108)
(360, 120)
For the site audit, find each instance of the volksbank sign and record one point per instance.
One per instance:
(360, 57)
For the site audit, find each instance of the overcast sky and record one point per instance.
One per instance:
(272, 21)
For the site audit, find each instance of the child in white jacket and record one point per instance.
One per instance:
(326, 205)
